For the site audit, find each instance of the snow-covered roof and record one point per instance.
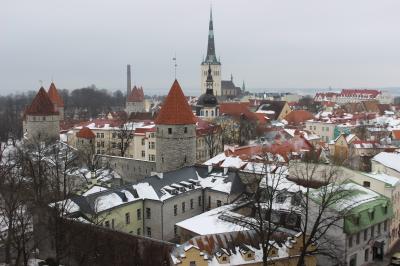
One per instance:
(388, 159)
(354, 196)
(93, 190)
(211, 223)
(388, 179)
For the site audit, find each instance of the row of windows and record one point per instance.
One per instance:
(148, 231)
(183, 205)
(139, 214)
(206, 113)
(215, 73)
(185, 130)
(365, 233)
(100, 135)
(100, 144)
(34, 118)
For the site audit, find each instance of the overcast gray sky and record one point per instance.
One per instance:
(268, 43)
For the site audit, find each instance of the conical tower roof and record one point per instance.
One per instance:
(55, 96)
(41, 105)
(175, 109)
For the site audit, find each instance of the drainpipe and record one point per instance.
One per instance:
(162, 220)
(345, 249)
(143, 224)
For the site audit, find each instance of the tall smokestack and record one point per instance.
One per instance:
(128, 81)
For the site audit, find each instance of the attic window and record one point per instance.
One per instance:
(366, 184)
(249, 255)
(385, 209)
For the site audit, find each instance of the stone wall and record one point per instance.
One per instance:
(131, 170)
(85, 244)
(175, 148)
(43, 127)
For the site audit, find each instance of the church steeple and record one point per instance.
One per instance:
(209, 82)
(211, 56)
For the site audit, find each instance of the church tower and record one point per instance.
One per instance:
(211, 61)
(207, 105)
(175, 132)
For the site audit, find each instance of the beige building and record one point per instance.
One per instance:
(326, 130)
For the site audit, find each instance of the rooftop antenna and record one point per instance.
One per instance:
(175, 64)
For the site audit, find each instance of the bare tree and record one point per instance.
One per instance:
(322, 191)
(265, 180)
(124, 135)
(15, 218)
(212, 138)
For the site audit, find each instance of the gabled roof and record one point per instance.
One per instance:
(41, 105)
(297, 117)
(175, 109)
(85, 133)
(55, 96)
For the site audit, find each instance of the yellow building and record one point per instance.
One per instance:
(238, 248)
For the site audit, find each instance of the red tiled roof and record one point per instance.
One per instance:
(136, 95)
(55, 96)
(145, 129)
(85, 133)
(236, 109)
(352, 92)
(396, 134)
(298, 116)
(41, 105)
(175, 109)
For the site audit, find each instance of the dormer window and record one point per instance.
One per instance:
(371, 213)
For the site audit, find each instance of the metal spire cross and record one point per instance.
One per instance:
(175, 64)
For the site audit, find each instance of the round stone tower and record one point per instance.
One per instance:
(175, 132)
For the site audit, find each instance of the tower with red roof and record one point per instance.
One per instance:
(135, 101)
(41, 119)
(56, 99)
(175, 132)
